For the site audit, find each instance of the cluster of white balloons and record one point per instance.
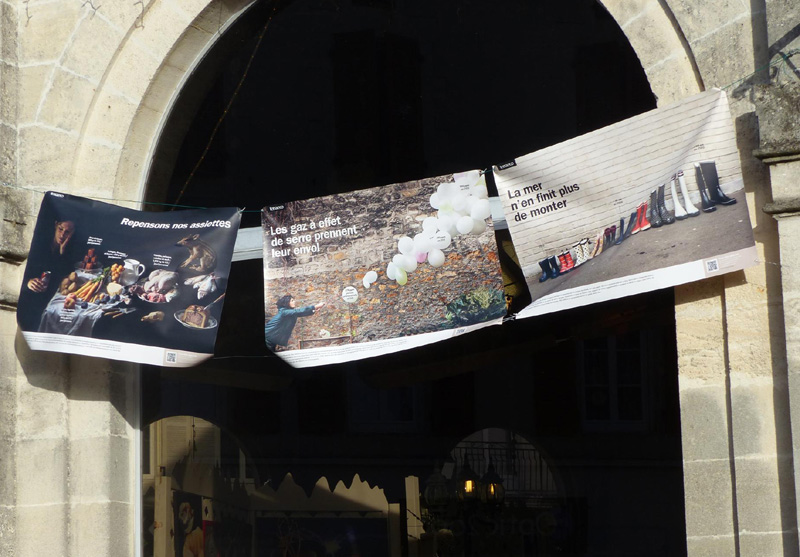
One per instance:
(462, 207)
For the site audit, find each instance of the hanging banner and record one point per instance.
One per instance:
(650, 202)
(375, 271)
(111, 282)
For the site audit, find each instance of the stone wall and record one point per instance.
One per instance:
(84, 89)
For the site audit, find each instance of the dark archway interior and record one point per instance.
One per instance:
(346, 94)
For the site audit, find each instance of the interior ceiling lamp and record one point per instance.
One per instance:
(492, 492)
(468, 484)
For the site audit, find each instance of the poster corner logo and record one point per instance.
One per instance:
(505, 165)
(276, 207)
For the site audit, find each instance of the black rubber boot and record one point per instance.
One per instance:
(554, 270)
(706, 202)
(655, 218)
(709, 170)
(622, 232)
(667, 217)
(545, 265)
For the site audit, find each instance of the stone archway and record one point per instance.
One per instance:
(161, 46)
(96, 89)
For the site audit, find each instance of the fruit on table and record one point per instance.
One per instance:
(69, 284)
(116, 271)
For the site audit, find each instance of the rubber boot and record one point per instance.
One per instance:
(562, 265)
(666, 216)
(655, 218)
(680, 212)
(709, 170)
(598, 245)
(580, 258)
(554, 270)
(691, 210)
(638, 225)
(621, 236)
(631, 226)
(587, 249)
(545, 265)
(706, 203)
(569, 259)
(644, 224)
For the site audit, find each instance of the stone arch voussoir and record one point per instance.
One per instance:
(159, 51)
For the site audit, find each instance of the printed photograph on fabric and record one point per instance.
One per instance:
(105, 272)
(650, 202)
(188, 524)
(382, 263)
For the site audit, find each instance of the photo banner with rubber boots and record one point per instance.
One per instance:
(371, 272)
(648, 203)
(111, 282)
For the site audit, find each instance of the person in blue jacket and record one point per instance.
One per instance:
(278, 329)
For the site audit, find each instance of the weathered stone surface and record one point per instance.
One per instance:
(45, 156)
(46, 30)
(105, 475)
(700, 333)
(42, 478)
(33, 82)
(758, 495)
(42, 530)
(725, 55)
(703, 434)
(700, 19)
(97, 35)
(778, 111)
(711, 546)
(780, 544)
(709, 498)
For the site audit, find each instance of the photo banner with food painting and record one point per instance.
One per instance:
(111, 282)
(370, 272)
(648, 203)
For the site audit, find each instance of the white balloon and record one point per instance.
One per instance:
(405, 245)
(401, 277)
(447, 189)
(391, 270)
(478, 227)
(409, 264)
(481, 210)
(471, 199)
(371, 276)
(365, 282)
(422, 243)
(459, 203)
(479, 191)
(468, 177)
(436, 258)
(445, 221)
(435, 200)
(465, 224)
(398, 260)
(429, 224)
(440, 241)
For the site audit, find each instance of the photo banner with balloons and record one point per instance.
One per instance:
(366, 273)
(647, 203)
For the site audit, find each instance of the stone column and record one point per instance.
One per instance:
(778, 111)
